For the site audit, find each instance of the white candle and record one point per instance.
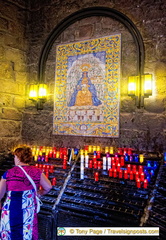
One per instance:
(86, 161)
(70, 157)
(109, 163)
(82, 167)
(104, 163)
(82, 158)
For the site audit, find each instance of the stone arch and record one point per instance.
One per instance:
(89, 12)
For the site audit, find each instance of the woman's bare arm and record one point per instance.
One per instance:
(46, 185)
(2, 188)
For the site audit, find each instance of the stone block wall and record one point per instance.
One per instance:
(13, 72)
(143, 129)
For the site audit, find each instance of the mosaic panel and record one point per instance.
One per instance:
(86, 97)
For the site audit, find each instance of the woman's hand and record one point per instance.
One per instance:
(46, 185)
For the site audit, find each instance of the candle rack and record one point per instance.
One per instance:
(106, 201)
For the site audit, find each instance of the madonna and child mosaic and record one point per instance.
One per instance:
(87, 76)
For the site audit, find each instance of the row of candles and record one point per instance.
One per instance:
(59, 152)
(115, 174)
(107, 161)
(115, 164)
(111, 150)
(54, 152)
(126, 153)
(43, 153)
(117, 168)
(47, 169)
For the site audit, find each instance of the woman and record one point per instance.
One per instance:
(19, 217)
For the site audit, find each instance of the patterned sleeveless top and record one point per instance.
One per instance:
(16, 179)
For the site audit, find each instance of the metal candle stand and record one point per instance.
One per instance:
(106, 201)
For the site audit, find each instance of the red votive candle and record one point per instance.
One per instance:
(96, 176)
(129, 151)
(116, 160)
(54, 181)
(40, 166)
(86, 147)
(113, 166)
(131, 175)
(125, 174)
(65, 157)
(95, 164)
(61, 154)
(138, 183)
(90, 163)
(124, 151)
(37, 165)
(65, 151)
(128, 168)
(114, 173)
(54, 154)
(98, 154)
(142, 177)
(110, 172)
(99, 164)
(46, 158)
(120, 151)
(145, 183)
(50, 154)
(113, 159)
(51, 168)
(47, 173)
(122, 161)
(118, 167)
(120, 173)
(64, 164)
(136, 175)
(140, 168)
(134, 169)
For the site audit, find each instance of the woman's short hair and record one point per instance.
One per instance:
(24, 154)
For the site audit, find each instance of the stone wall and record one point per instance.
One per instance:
(140, 128)
(13, 71)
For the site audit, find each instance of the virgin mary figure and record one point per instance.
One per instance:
(85, 93)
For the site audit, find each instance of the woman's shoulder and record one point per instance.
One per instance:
(11, 169)
(27, 168)
(33, 171)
